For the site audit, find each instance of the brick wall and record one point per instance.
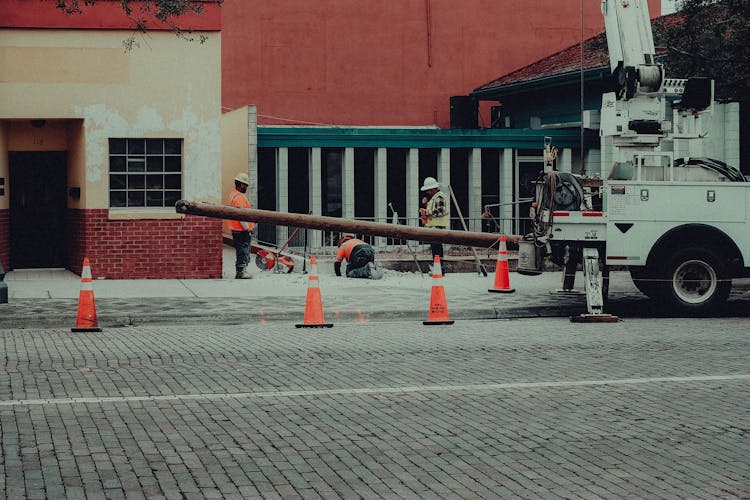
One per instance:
(135, 249)
(5, 239)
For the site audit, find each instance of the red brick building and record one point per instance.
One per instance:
(111, 138)
(98, 142)
(384, 62)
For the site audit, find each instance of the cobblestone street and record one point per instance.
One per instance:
(529, 408)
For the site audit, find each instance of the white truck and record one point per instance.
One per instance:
(681, 226)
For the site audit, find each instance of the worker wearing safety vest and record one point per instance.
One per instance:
(360, 259)
(436, 213)
(242, 231)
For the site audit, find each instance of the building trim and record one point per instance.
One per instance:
(104, 15)
(366, 137)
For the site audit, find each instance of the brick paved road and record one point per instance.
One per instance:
(531, 408)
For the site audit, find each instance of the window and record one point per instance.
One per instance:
(145, 172)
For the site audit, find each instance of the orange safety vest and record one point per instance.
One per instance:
(237, 199)
(345, 250)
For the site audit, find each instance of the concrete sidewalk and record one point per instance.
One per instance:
(48, 298)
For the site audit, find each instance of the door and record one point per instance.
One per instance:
(527, 172)
(37, 185)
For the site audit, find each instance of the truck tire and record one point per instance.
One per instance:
(696, 281)
(644, 279)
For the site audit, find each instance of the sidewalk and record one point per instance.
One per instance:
(48, 298)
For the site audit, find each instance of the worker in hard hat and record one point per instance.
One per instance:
(242, 231)
(360, 259)
(435, 213)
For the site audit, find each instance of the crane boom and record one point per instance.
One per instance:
(629, 36)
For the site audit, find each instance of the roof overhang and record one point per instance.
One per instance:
(600, 73)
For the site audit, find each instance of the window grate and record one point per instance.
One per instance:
(145, 172)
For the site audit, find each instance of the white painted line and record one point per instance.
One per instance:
(379, 390)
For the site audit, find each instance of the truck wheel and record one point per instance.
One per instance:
(644, 280)
(696, 281)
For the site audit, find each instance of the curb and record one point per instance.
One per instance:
(66, 321)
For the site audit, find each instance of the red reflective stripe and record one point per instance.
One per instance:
(617, 257)
(583, 214)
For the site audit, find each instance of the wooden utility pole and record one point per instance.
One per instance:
(423, 234)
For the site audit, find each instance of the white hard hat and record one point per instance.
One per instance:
(429, 183)
(243, 178)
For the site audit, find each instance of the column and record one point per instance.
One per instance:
(474, 215)
(252, 153)
(444, 176)
(347, 184)
(315, 197)
(412, 187)
(282, 190)
(381, 192)
(593, 163)
(506, 190)
(444, 167)
(731, 153)
(565, 160)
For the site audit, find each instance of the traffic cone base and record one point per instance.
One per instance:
(79, 330)
(86, 319)
(438, 304)
(502, 278)
(314, 317)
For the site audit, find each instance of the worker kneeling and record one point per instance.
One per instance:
(360, 259)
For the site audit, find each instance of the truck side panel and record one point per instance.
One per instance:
(638, 214)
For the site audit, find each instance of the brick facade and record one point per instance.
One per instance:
(5, 239)
(136, 249)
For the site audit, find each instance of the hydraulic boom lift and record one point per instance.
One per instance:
(679, 225)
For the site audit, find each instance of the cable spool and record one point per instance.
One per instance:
(555, 191)
(650, 78)
(561, 191)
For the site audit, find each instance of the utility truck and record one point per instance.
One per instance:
(681, 226)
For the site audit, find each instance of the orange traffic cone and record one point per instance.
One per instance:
(86, 321)
(314, 304)
(502, 279)
(438, 305)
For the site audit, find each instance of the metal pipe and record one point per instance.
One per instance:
(423, 234)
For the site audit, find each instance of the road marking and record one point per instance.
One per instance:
(379, 390)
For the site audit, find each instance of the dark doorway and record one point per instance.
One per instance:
(38, 204)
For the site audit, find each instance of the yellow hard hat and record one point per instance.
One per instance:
(243, 178)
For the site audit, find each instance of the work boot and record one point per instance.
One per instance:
(374, 272)
(242, 274)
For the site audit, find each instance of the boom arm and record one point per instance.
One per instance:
(634, 113)
(631, 47)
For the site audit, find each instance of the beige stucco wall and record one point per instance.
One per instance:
(235, 157)
(234, 150)
(167, 87)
